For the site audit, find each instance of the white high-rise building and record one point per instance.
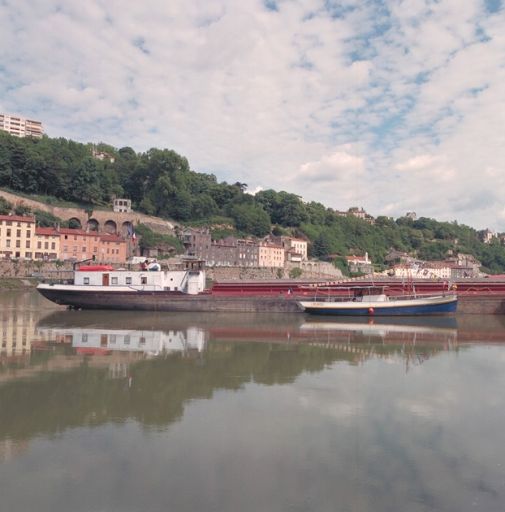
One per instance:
(20, 126)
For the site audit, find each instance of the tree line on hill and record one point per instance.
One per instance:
(160, 182)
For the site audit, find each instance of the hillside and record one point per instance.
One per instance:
(161, 183)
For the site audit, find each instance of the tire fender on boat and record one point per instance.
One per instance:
(371, 311)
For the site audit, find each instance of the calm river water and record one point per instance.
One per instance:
(104, 411)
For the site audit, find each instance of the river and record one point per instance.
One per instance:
(126, 411)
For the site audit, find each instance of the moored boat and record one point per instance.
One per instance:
(162, 290)
(373, 301)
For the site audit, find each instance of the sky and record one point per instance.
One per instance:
(394, 106)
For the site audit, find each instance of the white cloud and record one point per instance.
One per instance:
(338, 103)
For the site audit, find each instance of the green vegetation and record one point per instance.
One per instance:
(5, 206)
(160, 182)
(165, 243)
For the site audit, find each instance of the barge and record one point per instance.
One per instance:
(102, 287)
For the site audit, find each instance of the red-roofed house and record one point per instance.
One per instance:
(81, 245)
(47, 244)
(360, 264)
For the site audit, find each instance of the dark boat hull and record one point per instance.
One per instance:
(168, 301)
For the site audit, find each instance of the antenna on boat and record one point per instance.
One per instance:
(75, 263)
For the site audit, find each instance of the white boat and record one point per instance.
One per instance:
(373, 301)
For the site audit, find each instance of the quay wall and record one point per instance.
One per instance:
(479, 301)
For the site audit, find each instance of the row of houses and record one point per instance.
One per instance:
(272, 251)
(405, 266)
(21, 238)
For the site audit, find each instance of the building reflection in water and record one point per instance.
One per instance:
(18, 328)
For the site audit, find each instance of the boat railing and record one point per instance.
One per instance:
(404, 296)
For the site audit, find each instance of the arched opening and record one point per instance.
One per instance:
(74, 223)
(127, 229)
(93, 225)
(110, 227)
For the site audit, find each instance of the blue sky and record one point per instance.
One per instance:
(395, 106)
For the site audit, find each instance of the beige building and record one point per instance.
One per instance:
(270, 255)
(17, 236)
(122, 205)
(20, 126)
(296, 248)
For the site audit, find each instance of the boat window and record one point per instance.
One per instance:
(114, 280)
(86, 280)
(143, 280)
(128, 280)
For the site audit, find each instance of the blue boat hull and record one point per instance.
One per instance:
(410, 310)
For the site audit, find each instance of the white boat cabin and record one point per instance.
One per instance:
(191, 282)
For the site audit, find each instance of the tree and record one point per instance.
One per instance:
(251, 218)
(5, 206)
(86, 182)
(321, 247)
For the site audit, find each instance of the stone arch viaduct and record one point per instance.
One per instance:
(95, 220)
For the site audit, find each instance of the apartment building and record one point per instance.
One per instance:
(296, 248)
(20, 126)
(81, 245)
(270, 255)
(17, 236)
(47, 244)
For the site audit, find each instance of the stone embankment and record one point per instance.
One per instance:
(63, 270)
(101, 218)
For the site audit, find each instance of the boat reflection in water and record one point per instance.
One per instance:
(123, 335)
(148, 334)
(388, 329)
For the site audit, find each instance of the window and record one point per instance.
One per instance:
(18, 233)
(28, 255)
(53, 245)
(84, 249)
(7, 243)
(84, 337)
(128, 280)
(143, 280)
(8, 232)
(18, 243)
(114, 280)
(46, 245)
(39, 245)
(28, 244)
(86, 280)
(28, 234)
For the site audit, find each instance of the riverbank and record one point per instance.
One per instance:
(14, 283)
